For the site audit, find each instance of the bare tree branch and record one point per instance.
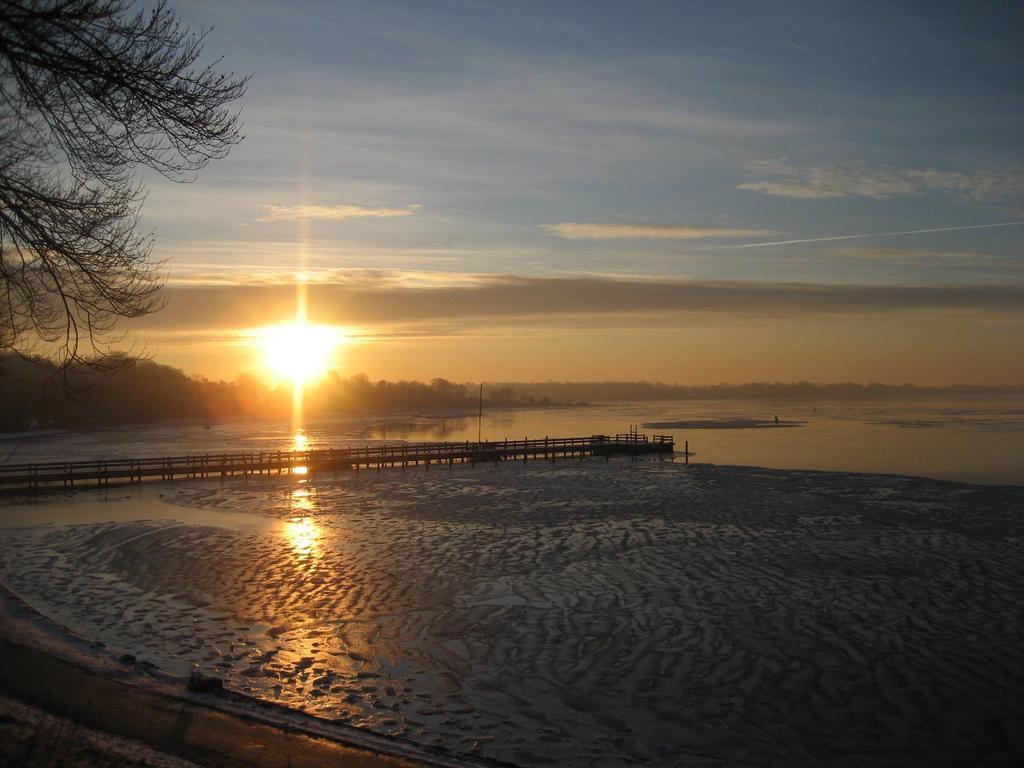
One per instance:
(90, 91)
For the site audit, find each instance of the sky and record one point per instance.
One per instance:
(673, 191)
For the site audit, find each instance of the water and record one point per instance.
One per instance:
(583, 613)
(977, 441)
(577, 613)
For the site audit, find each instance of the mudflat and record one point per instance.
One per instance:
(582, 613)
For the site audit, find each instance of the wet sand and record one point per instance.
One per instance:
(581, 613)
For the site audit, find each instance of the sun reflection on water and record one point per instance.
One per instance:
(301, 530)
(303, 536)
(300, 443)
(302, 501)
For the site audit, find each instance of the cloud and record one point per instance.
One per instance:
(382, 301)
(817, 182)
(509, 124)
(978, 263)
(329, 212)
(597, 231)
(882, 234)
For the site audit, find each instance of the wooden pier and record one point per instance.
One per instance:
(318, 461)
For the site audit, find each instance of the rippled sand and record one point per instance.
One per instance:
(584, 614)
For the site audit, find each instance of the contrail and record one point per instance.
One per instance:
(880, 234)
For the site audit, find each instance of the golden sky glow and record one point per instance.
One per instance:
(390, 325)
(928, 348)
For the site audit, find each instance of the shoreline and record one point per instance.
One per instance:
(48, 666)
(46, 495)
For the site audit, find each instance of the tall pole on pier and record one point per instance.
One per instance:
(480, 413)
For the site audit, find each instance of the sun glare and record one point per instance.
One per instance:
(301, 529)
(299, 352)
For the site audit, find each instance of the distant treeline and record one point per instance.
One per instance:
(33, 395)
(633, 391)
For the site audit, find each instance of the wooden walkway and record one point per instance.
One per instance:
(309, 462)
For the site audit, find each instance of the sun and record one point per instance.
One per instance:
(300, 352)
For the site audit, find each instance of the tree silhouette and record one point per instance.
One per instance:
(92, 91)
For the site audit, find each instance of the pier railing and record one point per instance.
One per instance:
(311, 461)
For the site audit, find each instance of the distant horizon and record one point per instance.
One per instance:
(144, 391)
(269, 381)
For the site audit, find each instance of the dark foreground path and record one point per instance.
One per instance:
(175, 726)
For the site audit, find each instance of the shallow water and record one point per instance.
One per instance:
(583, 613)
(975, 441)
(978, 441)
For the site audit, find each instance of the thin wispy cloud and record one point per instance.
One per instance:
(815, 182)
(598, 231)
(880, 234)
(240, 275)
(329, 212)
(564, 122)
